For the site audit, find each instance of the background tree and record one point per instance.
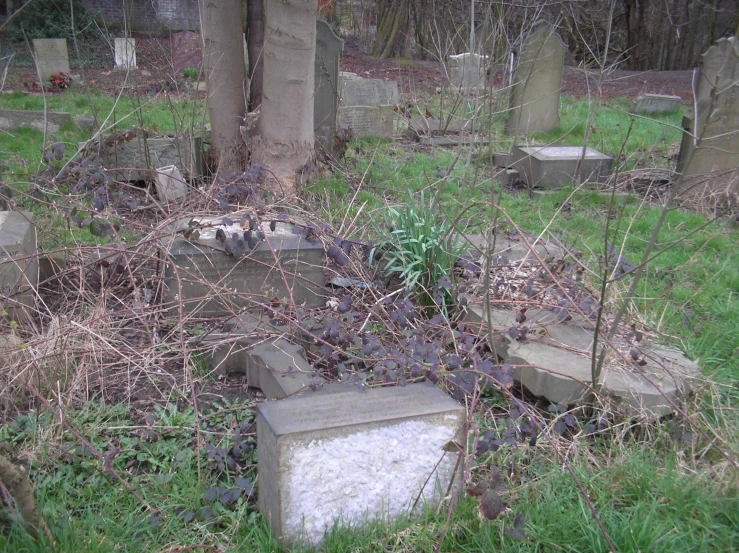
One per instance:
(284, 141)
(223, 63)
(254, 46)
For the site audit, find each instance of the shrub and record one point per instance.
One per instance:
(190, 73)
(51, 19)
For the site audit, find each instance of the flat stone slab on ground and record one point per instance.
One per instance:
(507, 250)
(207, 281)
(11, 120)
(559, 354)
(353, 457)
(18, 263)
(555, 166)
(656, 103)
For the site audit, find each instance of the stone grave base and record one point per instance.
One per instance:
(555, 166)
(656, 103)
(353, 457)
(11, 120)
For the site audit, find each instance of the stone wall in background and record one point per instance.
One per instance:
(148, 16)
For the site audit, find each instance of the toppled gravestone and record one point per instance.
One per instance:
(353, 457)
(551, 350)
(52, 121)
(656, 103)
(553, 167)
(252, 346)
(204, 280)
(18, 263)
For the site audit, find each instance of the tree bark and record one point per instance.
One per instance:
(284, 141)
(21, 491)
(255, 46)
(223, 63)
(392, 24)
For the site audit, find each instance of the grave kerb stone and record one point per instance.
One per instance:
(206, 281)
(51, 57)
(396, 434)
(656, 103)
(124, 53)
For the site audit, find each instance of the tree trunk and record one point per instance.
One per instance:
(223, 63)
(634, 12)
(392, 24)
(255, 46)
(284, 141)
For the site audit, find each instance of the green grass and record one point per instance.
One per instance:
(648, 490)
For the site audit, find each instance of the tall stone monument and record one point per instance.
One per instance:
(537, 82)
(709, 153)
(51, 57)
(328, 52)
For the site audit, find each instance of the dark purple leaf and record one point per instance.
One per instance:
(491, 505)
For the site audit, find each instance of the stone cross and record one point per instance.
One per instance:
(537, 82)
(709, 153)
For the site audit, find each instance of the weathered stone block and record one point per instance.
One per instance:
(353, 456)
(51, 57)
(11, 120)
(467, 72)
(170, 184)
(18, 263)
(208, 282)
(656, 103)
(136, 159)
(555, 166)
(367, 121)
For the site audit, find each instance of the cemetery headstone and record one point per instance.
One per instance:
(556, 166)
(187, 51)
(125, 53)
(467, 71)
(368, 106)
(205, 280)
(326, 100)
(396, 436)
(537, 82)
(656, 103)
(51, 57)
(713, 165)
(11, 120)
(18, 263)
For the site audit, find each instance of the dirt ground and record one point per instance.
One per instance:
(155, 72)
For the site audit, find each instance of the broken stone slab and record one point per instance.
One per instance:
(18, 264)
(135, 158)
(201, 277)
(394, 437)
(656, 103)
(555, 362)
(280, 370)
(556, 166)
(53, 121)
(86, 122)
(170, 184)
(51, 57)
(419, 126)
(452, 140)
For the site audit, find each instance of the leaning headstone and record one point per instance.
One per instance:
(51, 57)
(326, 99)
(383, 449)
(18, 263)
(187, 51)
(713, 165)
(125, 53)
(52, 121)
(170, 184)
(656, 103)
(204, 279)
(537, 82)
(467, 71)
(557, 166)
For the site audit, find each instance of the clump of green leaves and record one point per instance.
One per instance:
(421, 250)
(190, 73)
